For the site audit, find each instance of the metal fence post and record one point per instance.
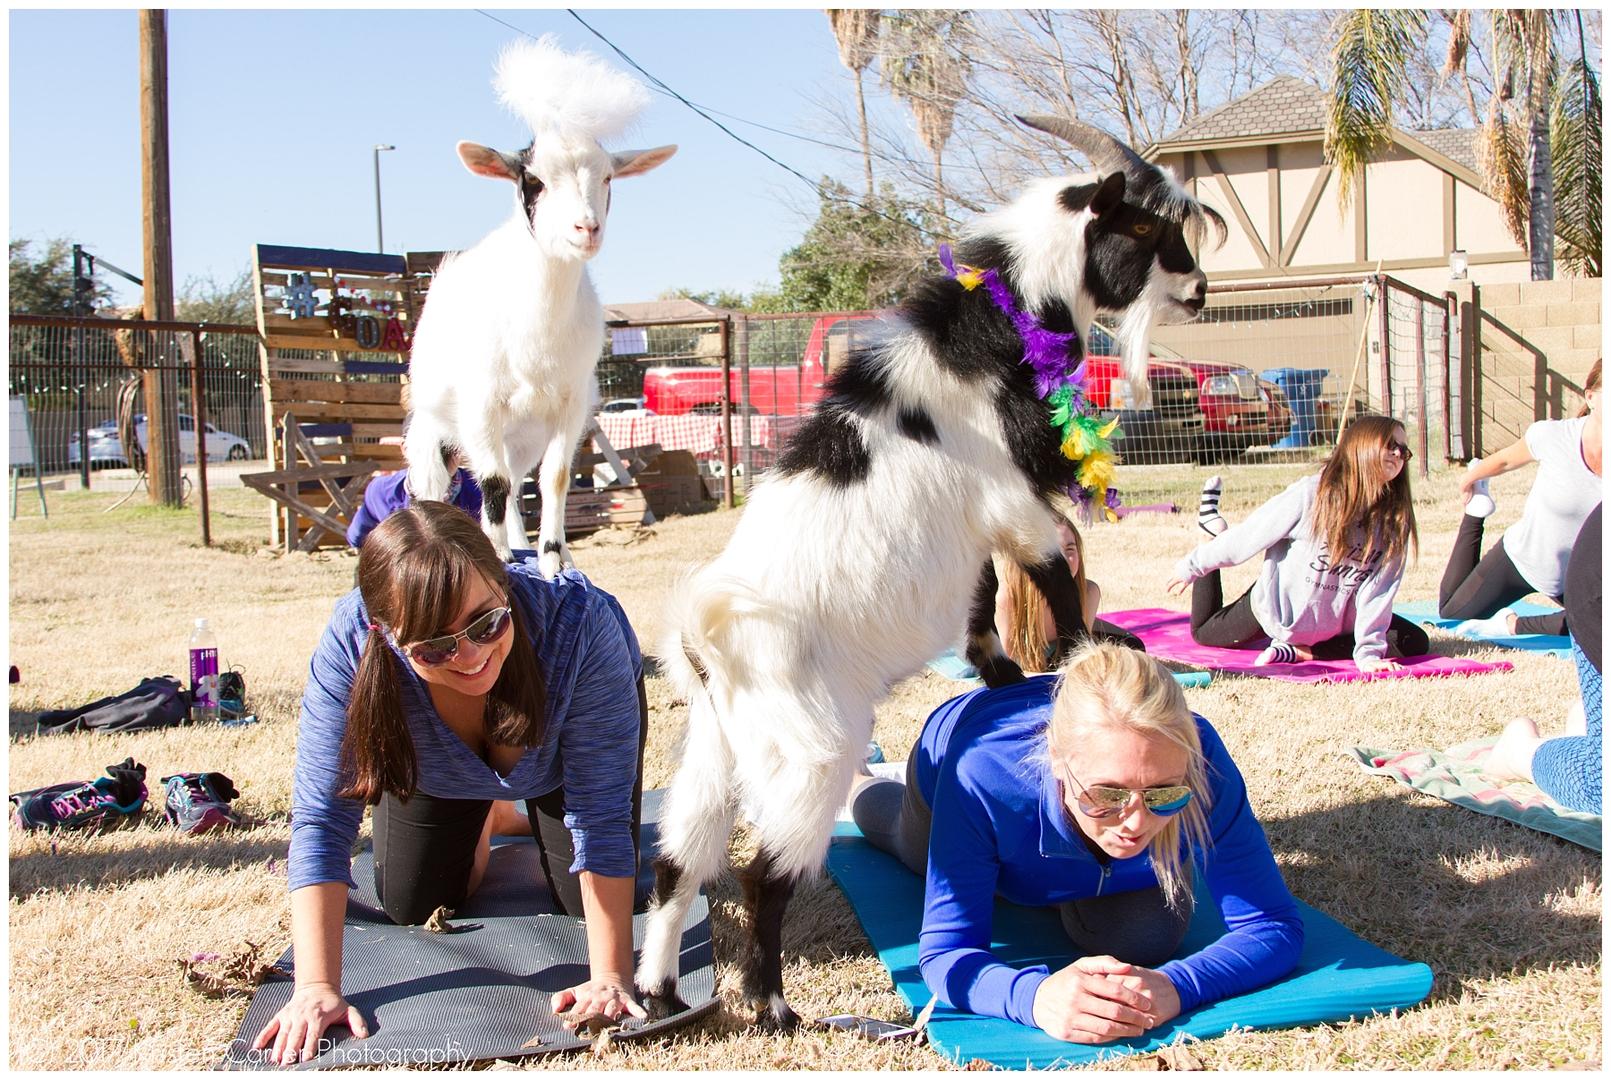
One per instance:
(198, 408)
(1420, 378)
(1385, 332)
(727, 406)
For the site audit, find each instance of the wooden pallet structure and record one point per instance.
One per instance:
(334, 330)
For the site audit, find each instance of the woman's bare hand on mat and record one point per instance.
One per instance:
(1160, 991)
(296, 1029)
(1095, 999)
(611, 998)
(1381, 663)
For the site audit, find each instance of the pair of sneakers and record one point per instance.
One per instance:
(108, 802)
(192, 802)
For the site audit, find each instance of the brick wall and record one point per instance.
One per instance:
(1539, 339)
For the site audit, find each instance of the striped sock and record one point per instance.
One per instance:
(1208, 515)
(1279, 652)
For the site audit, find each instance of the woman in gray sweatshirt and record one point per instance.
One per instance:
(1334, 551)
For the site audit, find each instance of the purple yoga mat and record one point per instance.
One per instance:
(1167, 635)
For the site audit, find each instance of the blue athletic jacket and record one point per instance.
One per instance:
(590, 665)
(999, 828)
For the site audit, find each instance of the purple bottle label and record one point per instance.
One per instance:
(204, 678)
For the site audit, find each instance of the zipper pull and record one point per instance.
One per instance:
(1103, 880)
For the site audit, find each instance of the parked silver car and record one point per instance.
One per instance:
(106, 449)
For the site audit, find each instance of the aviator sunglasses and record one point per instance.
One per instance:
(1104, 802)
(487, 628)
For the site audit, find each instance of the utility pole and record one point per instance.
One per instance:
(161, 384)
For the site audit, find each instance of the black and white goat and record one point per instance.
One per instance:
(503, 359)
(855, 561)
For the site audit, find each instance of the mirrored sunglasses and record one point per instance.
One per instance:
(487, 628)
(1104, 802)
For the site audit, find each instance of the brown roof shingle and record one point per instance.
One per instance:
(1281, 106)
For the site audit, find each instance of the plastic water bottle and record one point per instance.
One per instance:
(203, 674)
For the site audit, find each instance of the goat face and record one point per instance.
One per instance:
(1139, 231)
(563, 186)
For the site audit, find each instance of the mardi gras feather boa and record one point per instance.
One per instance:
(1086, 438)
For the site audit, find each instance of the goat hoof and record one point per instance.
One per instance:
(663, 1003)
(1000, 672)
(776, 1017)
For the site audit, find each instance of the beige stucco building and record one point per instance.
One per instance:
(1258, 161)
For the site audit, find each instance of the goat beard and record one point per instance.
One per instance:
(1134, 335)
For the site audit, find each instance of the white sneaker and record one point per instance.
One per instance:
(1482, 503)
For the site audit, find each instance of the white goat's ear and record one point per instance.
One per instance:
(633, 162)
(1108, 194)
(485, 161)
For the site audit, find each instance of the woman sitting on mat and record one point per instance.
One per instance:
(1024, 619)
(1096, 793)
(1334, 549)
(1531, 555)
(1567, 768)
(445, 681)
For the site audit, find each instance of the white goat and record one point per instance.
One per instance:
(855, 561)
(503, 359)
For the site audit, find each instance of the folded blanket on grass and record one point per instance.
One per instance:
(1425, 612)
(1455, 775)
(1339, 975)
(1167, 635)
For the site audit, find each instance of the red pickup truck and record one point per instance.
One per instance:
(790, 388)
(1201, 409)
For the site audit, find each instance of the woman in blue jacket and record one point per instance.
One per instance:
(1098, 793)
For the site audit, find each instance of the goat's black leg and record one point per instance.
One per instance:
(984, 645)
(661, 1000)
(766, 896)
(1056, 582)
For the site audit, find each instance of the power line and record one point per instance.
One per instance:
(662, 86)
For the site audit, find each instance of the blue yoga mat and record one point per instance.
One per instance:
(1339, 975)
(1425, 612)
(953, 666)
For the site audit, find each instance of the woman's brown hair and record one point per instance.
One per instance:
(1590, 384)
(1025, 640)
(413, 572)
(1352, 494)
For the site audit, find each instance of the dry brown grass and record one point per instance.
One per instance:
(1508, 919)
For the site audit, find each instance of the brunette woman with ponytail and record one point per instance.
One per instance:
(446, 683)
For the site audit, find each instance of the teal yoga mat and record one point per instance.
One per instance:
(1425, 612)
(1339, 975)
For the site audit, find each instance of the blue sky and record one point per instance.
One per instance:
(273, 115)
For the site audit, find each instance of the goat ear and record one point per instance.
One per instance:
(1108, 195)
(633, 162)
(493, 164)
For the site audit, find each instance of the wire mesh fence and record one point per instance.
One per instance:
(69, 374)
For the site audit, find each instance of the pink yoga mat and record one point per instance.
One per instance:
(1167, 635)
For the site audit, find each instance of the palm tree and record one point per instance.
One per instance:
(1369, 64)
(856, 31)
(923, 68)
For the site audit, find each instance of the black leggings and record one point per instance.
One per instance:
(1227, 626)
(1474, 588)
(425, 847)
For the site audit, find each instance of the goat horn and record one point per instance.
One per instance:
(1107, 153)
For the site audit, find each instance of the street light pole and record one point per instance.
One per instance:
(380, 234)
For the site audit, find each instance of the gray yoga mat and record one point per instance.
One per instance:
(482, 992)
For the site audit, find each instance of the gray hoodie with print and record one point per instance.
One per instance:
(1301, 596)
